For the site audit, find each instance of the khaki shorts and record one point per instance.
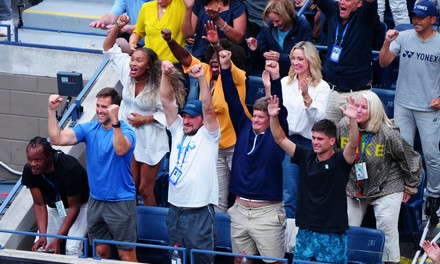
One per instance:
(258, 230)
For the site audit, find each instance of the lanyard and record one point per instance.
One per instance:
(184, 153)
(52, 185)
(362, 154)
(343, 33)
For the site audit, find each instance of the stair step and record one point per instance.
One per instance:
(66, 15)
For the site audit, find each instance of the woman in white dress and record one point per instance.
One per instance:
(141, 107)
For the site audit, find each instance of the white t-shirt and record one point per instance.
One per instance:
(198, 183)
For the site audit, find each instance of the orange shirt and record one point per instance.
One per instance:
(227, 137)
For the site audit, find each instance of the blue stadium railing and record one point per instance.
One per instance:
(83, 239)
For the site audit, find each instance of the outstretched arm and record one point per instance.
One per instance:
(181, 54)
(209, 118)
(353, 136)
(166, 93)
(277, 131)
(57, 136)
(385, 55)
(110, 40)
(105, 21)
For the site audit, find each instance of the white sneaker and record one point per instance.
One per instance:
(4, 30)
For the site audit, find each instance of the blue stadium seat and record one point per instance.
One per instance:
(411, 214)
(152, 229)
(387, 98)
(254, 90)
(223, 232)
(365, 245)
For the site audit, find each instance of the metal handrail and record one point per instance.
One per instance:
(303, 8)
(72, 111)
(113, 242)
(10, 169)
(83, 239)
(212, 252)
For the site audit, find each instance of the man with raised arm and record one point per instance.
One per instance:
(349, 42)
(213, 80)
(193, 189)
(258, 218)
(109, 143)
(417, 101)
(322, 201)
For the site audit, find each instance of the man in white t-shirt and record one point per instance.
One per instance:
(193, 188)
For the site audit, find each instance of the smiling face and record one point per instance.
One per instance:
(363, 113)
(278, 22)
(423, 25)
(299, 63)
(346, 7)
(191, 124)
(322, 143)
(260, 121)
(138, 64)
(37, 160)
(102, 104)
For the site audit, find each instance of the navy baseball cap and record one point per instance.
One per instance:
(193, 108)
(424, 9)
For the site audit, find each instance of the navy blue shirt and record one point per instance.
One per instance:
(354, 70)
(257, 162)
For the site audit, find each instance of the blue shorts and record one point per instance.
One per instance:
(321, 247)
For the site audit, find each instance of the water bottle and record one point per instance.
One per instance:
(175, 257)
(244, 260)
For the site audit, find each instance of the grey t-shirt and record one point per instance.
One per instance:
(419, 70)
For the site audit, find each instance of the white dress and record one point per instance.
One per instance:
(151, 139)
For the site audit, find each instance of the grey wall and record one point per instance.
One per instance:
(27, 78)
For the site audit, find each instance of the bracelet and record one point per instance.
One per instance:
(227, 29)
(222, 28)
(215, 45)
(143, 121)
(308, 101)
(116, 24)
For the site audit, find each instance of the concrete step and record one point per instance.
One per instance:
(66, 15)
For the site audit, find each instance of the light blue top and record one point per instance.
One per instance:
(130, 7)
(109, 174)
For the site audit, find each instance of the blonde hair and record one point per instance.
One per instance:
(376, 112)
(312, 56)
(284, 8)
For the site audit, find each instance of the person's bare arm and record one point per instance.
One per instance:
(105, 21)
(209, 117)
(189, 24)
(110, 40)
(166, 94)
(40, 212)
(121, 143)
(235, 32)
(273, 110)
(180, 53)
(385, 55)
(57, 136)
(353, 134)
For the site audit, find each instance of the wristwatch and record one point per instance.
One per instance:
(118, 125)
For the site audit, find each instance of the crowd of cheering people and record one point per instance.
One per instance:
(318, 148)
